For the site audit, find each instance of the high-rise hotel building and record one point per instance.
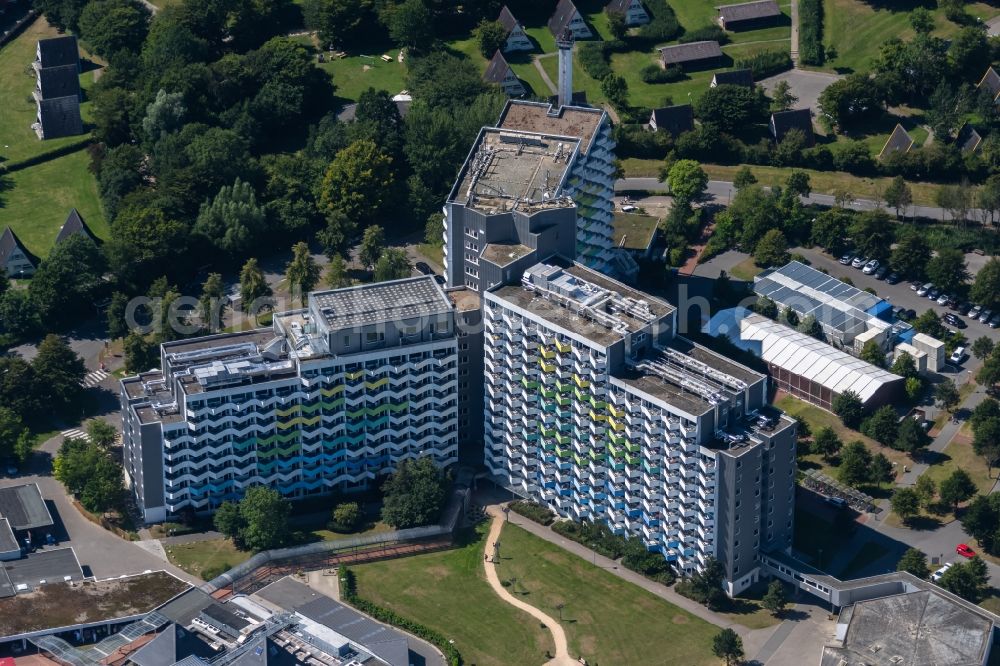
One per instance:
(330, 397)
(596, 408)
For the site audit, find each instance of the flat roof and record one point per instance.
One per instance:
(369, 304)
(43, 567)
(573, 121)
(24, 507)
(502, 254)
(463, 298)
(257, 336)
(634, 232)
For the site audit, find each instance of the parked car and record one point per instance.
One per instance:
(963, 550)
(628, 208)
(954, 320)
(881, 272)
(423, 268)
(943, 299)
(960, 306)
(846, 259)
(838, 502)
(924, 289)
(914, 286)
(995, 321)
(898, 311)
(985, 316)
(892, 278)
(859, 262)
(975, 311)
(871, 267)
(936, 576)
(933, 293)
(957, 355)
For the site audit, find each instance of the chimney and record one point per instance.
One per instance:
(565, 44)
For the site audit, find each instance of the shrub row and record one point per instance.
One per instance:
(633, 553)
(708, 33)
(663, 25)
(533, 511)
(45, 156)
(349, 593)
(765, 63)
(657, 74)
(594, 59)
(811, 32)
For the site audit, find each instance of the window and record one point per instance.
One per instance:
(374, 336)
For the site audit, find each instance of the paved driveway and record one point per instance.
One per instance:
(805, 85)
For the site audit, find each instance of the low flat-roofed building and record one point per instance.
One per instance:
(40, 568)
(692, 55)
(748, 15)
(934, 349)
(24, 507)
(919, 357)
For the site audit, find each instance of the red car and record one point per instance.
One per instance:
(964, 550)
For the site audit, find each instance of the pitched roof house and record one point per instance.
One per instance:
(74, 225)
(800, 119)
(15, 260)
(991, 82)
(567, 16)
(632, 10)
(498, 71)
(517, 39)
(57, 90)
(734, 77)
(694, 53)
(968, 139)
(898, 142)
(748, 15)
(57, 51)
(675, 119)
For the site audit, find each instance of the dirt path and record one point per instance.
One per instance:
(545, 75)
(562, 657)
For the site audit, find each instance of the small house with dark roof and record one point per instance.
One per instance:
(568, 17)
(991, 83)
(632, 10)
(15, 260)
(784, 121)
(692, 55)
(968, 140)
(57, 88)
(675, 119)
(898, 142)
(748, 15)
(500, 73)
(74, 225)
(517, 38)
(733, 77)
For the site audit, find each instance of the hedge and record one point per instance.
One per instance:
(45, 156)
(708, 33)
(765, 63)
(656, 74)
(539, 513)
(594, 59)
(349, 593)
(663, 25)
(811, 32)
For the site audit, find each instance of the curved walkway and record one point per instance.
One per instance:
(562, 657)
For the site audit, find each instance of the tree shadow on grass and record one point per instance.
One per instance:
(923, 523)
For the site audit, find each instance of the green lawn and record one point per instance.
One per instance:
(213, 555)
(637, 230)
(360, 71)
(448, 592)
(607, 620)
(17, 82)
(34, 202)
(745, 270)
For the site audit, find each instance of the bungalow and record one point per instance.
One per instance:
(632, 10)
(501, 74)
(898, 142)
(517, 39)
(675, 119)
(968, 139)
(568, 17)
(991, 82)
(15, 260)
(784, 121)
(57, 89)
(748, 15)
(698, 54)
(74, 225)
(734, 77)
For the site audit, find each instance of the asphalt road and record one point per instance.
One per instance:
(722, 191)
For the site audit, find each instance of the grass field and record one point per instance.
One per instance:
(212, 555)
(358, 72)
(745, 270)
(448, 592)
(636, 230)
(34, 202)
(607, 620)
(17, 82)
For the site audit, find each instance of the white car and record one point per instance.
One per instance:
(957, 355)
(936, 576)
(870, 267)
(629, 208)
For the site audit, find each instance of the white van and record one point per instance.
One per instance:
(957, 355)
(936, 576)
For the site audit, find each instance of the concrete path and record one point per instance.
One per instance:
(545, 76)
(562, 657)
(795, 33)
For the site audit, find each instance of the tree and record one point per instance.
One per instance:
(882, 426)
(982, 347)
(744, 178)
(968, 50)
(790, 316)
(947, 394)
(615, 88)
(930, 323)
(848, 407)
(90, 473)
(302, 273)
(728, 646)
(491, 37)
(359, 182)
(253, 288)
(850, 101)
(782, 98)
(898, 195)
(926, 489)
(881, 470)
(410, 25)
(443, 81)
(873, 353)
(59, 374)
(414, 495)
(392, 265)
(117, 326)
(687, 181)
(705, 586)
(766, 307)
(617, 26)
(165, 114)
(144, 241)
(140, 353)
(11, 427)
(372, 245)
(66, 282)
(980, 520)
(986, 287)
(776, 599)
(232, 221)
(102, 433)
(346, 516)
(911, 437)
(855, 464)
(229, 522)
(956, 199)
(265, 516)
(872, 233)
(728, 108)
(110, 26)
(336, 276)
(798, 184)
(811, 327)
(826, 442)
(914, 388)
(211, 303)
(905, 503)
(830, 229)
(957, 488)
(772, 250)
(339, 22)
(947, 269)
(915, 562)
(921, 20)
(966, 579)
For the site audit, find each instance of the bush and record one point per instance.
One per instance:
(533, 511)
(214, 571)
(663, 25)
(349, 593)
(708, 33)
(811, 32)
(594, 59)
(765, 63)
(596, 536)
(657, 74)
